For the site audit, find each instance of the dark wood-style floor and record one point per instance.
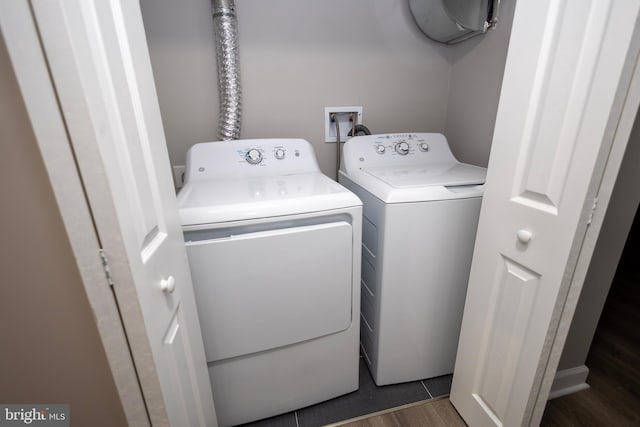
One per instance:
(614, 358)
(436, 412)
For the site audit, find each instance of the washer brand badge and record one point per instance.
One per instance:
(34, 415)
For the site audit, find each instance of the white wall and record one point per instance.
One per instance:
(296, 57)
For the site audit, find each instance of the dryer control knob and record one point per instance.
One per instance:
(380, 149)
(402, 148)
(423, 146)
(280, 153)
(253, 156)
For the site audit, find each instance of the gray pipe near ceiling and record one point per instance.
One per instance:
(227, 60)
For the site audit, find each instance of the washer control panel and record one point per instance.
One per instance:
(397, 149)
(248, 158)
(400, 144)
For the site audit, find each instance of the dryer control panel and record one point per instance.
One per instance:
(246, 158)
(398, 149)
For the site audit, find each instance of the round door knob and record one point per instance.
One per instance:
(253, 156)
(423, 146)
(402, 148)
(380, 149)
(168, 285)
(280, 153)
(524, 236)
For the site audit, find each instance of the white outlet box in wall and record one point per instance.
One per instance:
(345, 117)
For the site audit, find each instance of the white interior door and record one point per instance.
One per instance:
(567, 73)
(99, 63)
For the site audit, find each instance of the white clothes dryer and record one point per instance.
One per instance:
(274, 250)
(421, 210)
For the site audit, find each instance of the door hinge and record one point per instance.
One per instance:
(593, 210)
(105, 265)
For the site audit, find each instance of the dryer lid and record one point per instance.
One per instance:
(214, 201)
(442, 174)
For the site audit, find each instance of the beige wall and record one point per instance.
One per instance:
(50, 351)
(476, 79)
(298, 56)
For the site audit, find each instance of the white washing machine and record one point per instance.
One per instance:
(421, 210)
(274, 250)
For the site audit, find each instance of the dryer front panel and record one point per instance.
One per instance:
(261, 290)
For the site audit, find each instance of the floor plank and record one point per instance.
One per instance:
(434, 413)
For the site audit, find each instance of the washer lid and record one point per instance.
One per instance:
(440, 174)
(204, 202)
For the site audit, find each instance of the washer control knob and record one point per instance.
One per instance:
(402, 148)
(380, 149)
(423, 146)
(253, 156)
(280, 153)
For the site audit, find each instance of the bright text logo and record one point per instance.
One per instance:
(34, 414)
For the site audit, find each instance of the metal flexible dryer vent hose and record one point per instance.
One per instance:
(227, 60)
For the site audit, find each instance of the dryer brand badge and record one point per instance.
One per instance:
(34, 415)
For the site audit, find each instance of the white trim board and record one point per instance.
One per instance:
(568, 381)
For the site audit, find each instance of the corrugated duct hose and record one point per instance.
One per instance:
(227, 60)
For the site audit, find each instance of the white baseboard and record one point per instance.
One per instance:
(569, 381)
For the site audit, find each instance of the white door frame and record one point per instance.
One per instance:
(39, 95)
